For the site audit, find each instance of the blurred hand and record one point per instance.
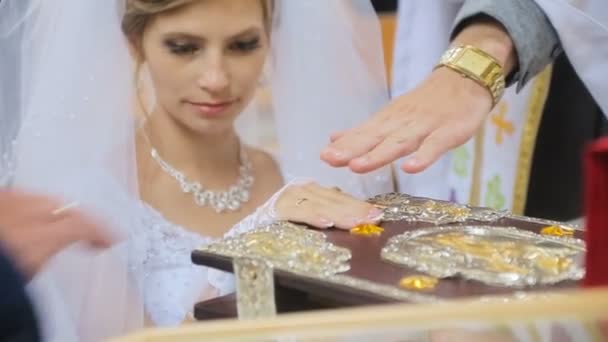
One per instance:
(324, 208)
(31, 233)
(441, 113)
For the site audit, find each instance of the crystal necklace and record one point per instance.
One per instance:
(220, 201)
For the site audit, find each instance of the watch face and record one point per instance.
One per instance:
(475, 63)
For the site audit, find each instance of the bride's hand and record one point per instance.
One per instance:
(321, 207)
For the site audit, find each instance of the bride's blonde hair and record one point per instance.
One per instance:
(140, 12)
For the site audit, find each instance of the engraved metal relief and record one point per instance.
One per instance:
(254, 288)
(546, 222)
(399, 207)
(287, 246)
(501, 256)
(301, 251)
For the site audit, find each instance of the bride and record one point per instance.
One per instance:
(129, 108)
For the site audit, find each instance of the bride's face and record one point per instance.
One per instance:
(205, 60)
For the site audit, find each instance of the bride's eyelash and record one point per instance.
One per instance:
(186, 48)
(245, 45)
(181, 48)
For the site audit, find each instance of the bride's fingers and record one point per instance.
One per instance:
(346, 210)
(314, 213)
(321, 207)
(303, 210)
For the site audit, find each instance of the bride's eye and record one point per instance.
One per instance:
(182, 48)
(244, 46)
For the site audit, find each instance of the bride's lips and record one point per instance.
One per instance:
(212, 109)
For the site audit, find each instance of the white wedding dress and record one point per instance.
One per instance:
(171, 283)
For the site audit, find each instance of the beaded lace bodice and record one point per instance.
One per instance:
(160, 261)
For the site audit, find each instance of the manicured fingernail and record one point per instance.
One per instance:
(375, 215)
(412, 162)
(337, 154)
(325, 223)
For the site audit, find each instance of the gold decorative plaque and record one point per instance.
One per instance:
(499, 256)
(300, 251)
(399, 207)
(287, 246)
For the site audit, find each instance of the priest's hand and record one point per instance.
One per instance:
(321, 207)
(443, 112)
(33, 228)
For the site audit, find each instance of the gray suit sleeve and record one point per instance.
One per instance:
(534, 37)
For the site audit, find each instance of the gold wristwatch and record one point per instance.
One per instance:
(477, 65)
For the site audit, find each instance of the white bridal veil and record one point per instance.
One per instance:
(67, 95)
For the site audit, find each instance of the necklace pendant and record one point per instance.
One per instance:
(190, 187)
(201, 198)
(230, 200)
(234, 205)
(244, 196)
(219, 207)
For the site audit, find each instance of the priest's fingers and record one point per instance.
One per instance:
(395, 146)
(358, 141)
(355, 142)
(335, 136)
(444, 100)
(433, 147)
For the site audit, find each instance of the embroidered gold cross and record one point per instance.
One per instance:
(503, 126)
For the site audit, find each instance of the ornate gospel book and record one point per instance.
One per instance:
(424, 251)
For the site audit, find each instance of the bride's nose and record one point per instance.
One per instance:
(214, 76)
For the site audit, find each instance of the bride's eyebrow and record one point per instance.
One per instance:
(246, 33)
(183, 36)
